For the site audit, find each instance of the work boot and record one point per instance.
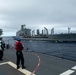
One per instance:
(1, 59)
(18, 67)
(23, 67)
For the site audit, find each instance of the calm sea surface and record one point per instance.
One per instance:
(64, 50)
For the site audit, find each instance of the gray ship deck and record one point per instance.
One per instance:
(37, 63)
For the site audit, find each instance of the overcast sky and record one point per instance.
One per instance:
(37, 14)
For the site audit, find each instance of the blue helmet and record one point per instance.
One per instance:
(18, 39)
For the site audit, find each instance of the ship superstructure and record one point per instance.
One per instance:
(24, 32)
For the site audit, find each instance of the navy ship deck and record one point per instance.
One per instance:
(37, 63)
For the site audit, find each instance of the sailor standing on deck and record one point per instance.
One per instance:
(19, 47)
(2, 46)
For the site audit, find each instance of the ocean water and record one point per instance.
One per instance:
(63, 50)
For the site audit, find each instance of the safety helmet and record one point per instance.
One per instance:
(18, 39)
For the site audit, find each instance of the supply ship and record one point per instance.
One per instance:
(63, 37)
(27, 34)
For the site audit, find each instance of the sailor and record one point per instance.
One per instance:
(19, 47)
(2, 46)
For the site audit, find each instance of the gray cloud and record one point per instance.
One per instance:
(37, 14)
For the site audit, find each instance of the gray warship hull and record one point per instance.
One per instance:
(63, 37)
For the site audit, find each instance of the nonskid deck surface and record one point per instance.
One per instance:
(36, 64)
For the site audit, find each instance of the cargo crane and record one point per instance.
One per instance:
(52, 31)
(33, 32)
(45, 31)
(69, 30)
